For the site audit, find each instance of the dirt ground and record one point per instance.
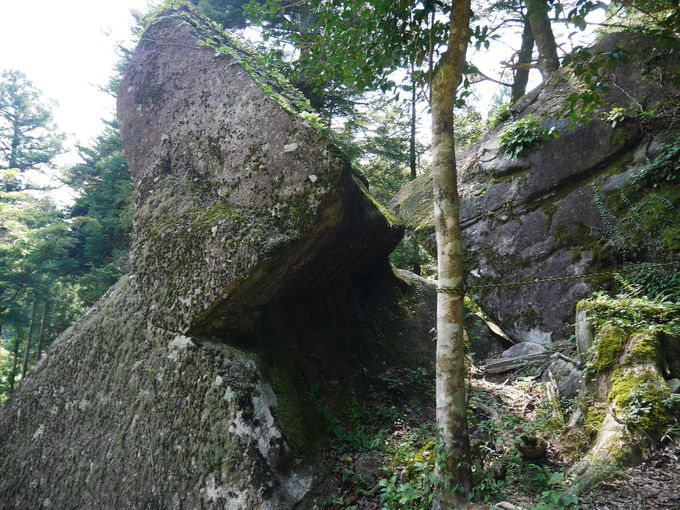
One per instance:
(654, 484)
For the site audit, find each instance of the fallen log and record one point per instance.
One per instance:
(503, 365)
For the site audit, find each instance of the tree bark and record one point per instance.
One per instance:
(16, 140)
(548, 61)
(27, 345)
(11, 379)
(412, 138)
(519, 84)
(453, 458)
(41, 335)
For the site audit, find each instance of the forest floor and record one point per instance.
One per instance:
(385, 460)
(653, 485)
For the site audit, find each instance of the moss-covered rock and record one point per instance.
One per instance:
(624, 401)
(221, 155)
(609, 344)
(567, 207)
(258, 264)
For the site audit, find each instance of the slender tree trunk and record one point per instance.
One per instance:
(27, 345)
(13, 373)
(519, 84)
(41, 335)
(15, 147)
(548, 61)
(453, 461)
(412, 157)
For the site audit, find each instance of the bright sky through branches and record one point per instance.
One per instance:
(68, 49)
(63, 48)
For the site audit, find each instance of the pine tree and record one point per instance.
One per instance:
(28, 137)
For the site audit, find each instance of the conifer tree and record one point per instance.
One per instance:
(28, 137)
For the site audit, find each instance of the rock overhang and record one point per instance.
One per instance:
(543, 215)
(240, 197)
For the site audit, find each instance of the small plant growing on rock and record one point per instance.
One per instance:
(616, 116)
(664, 169)
(498, 115)
(523, 134)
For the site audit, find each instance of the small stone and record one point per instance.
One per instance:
(523, 349)
(504, 505)
(366, 465)
(218, 381)
(291, 147)
(674, 385)
(567, 377)
(531, 447)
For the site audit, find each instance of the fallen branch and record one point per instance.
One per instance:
(503, 365)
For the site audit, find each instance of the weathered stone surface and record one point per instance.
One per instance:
(258, 270)
(546, 214)
(238, 201)
(567, 377)
(583, 332)
(523, 349)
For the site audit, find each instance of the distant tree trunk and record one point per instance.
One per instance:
(16, 141)
(412, 157)
(41, 335)
(453, 462)
(548, 61)
(519, 84)
(11, 379)
(27, 345)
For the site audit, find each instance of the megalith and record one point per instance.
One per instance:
(538, 229)
(258, 267)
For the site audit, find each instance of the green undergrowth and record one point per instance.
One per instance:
(631, 314)
(380, 423)
(640, 224)
(407, 448)
(523, 134)
(499, 470)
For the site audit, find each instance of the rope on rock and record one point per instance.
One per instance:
(634, 269)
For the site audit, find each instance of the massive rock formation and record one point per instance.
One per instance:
(239, 202)
(557, 210)
(258, 269)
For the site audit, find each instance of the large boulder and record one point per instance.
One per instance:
(239, 200)
(557, 210)
(258, 270)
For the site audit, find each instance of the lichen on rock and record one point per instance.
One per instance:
(625, 397)
(568, 207)
(257, 261)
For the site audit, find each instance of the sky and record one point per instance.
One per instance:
(67, 48)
